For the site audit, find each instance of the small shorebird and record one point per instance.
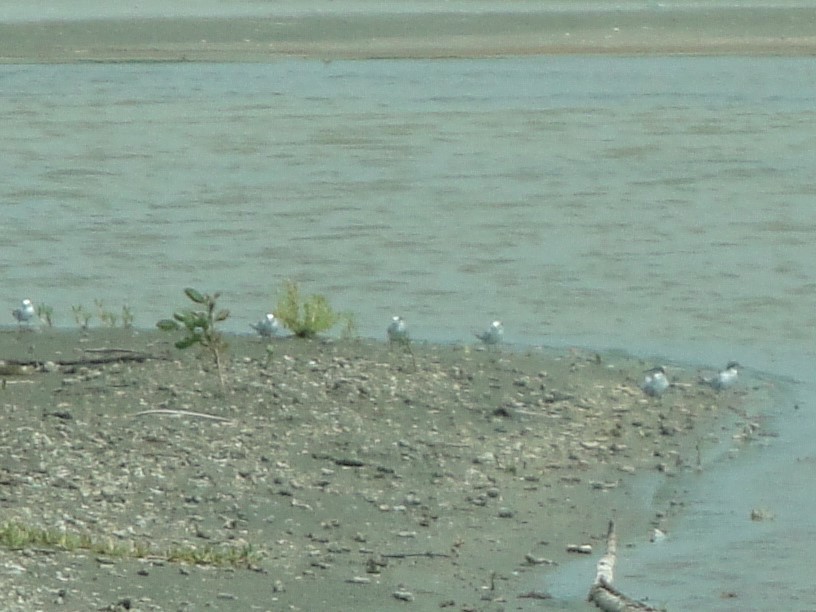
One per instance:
(25, 312)
(655, 382)
(268, 326)
(724, 378)
(397, 331)
(493, 335)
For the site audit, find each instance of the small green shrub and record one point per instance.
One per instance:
(127, 317)
(107, 317)
(46, 313)
(81, 316)
(305, 317)
(199, 327)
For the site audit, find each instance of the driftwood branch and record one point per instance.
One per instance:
(120, 358)
(111, 350)
(602, 593)
(417, 554)
(114, 356)
(344, 461)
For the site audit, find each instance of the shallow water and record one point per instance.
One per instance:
(661, 205)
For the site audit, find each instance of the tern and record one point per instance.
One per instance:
(725, 378)
(493, 335)
(25, 312)
(268, 326)
(655, 383)
(397, 330)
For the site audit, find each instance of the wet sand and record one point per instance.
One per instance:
(415, 34)
(361, 477)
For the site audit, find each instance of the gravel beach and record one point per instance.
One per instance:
(358, 476)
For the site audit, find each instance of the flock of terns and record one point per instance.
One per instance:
(655, 384)
(397, 331)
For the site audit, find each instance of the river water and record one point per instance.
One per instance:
(662, 205)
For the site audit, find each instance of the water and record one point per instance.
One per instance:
(38, 10)
(661, 205)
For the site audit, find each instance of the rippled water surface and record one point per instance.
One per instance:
(661, 205)
(654, 198)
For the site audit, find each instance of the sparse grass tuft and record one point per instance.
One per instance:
(83, 317)
(18, 536)
(243, 556)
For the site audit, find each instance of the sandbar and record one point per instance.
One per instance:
(414, 32)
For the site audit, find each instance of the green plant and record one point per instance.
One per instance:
(199, 327)
(304, 317)
(107, 317)
(349, 331)
(127, 317)
(45, 313)
(81, 316)
(270, 353)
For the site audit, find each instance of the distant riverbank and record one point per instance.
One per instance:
(413, 32)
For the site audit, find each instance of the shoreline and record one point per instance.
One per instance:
(413, 35)
(355, 473)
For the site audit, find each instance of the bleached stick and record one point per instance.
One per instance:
(200, 415)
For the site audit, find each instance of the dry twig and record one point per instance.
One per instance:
(200, 415)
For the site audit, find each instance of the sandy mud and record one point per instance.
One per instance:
(359, 476)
